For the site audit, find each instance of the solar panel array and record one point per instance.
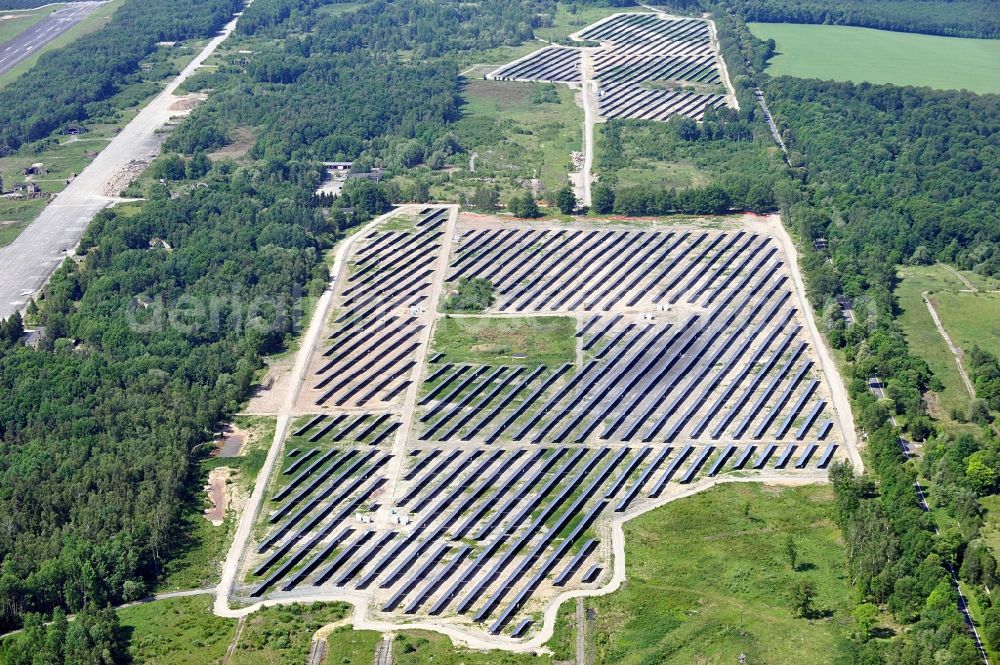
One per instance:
(371, 354)
(730, 362)
(556, 64)
(494, 503)
(491, 526)
(635, 49)
(643, 47)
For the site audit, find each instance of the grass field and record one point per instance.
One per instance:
(844, 53)
(969, 318)
(184, 631)
(544, 340)
(707, 581)
(282, 634)
(176, 631)
(518, 137)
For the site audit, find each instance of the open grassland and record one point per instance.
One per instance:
(639, 168)
(969, 318)
(708, 578)
(183, 631)
(519, 135)
(346, 646)
(422, 647)
(282, 634)
(844, 53)
(176, 631)
(542, 340)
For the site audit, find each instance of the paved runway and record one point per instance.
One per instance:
(26, 263)
(31, 40)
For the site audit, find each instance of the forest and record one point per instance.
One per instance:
(954, 18)
(68, 84)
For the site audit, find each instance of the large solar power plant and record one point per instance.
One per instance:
(471, 494)
(637, 49)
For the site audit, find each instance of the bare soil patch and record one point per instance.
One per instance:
(231, 443)
(187, 102)
(242, 139)
(216, 488)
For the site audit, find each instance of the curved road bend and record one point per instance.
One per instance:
(27, 263)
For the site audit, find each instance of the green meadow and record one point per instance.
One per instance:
(844, 53)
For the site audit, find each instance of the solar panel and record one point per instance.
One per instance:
(785, 456)
(804, 457)
(744, 456)
(824, 460)
(762, 460)
(575, 562)
(721, 460)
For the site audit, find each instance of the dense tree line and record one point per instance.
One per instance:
(473, 294)
(413, 25)
(957, 18)
(146, 349)
(68, 84)
(985, 376)
(912, 172)
(94, 637)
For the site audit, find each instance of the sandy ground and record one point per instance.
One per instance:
(267, 401)
(216, 489)
(188, 102)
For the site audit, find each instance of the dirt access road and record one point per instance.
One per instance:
(37, 252)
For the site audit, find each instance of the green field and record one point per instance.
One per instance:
(176, 631)
(708, 579)
(969, 318)
(543, 340)
(184, 631)
(844, 53)
(517, 135)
